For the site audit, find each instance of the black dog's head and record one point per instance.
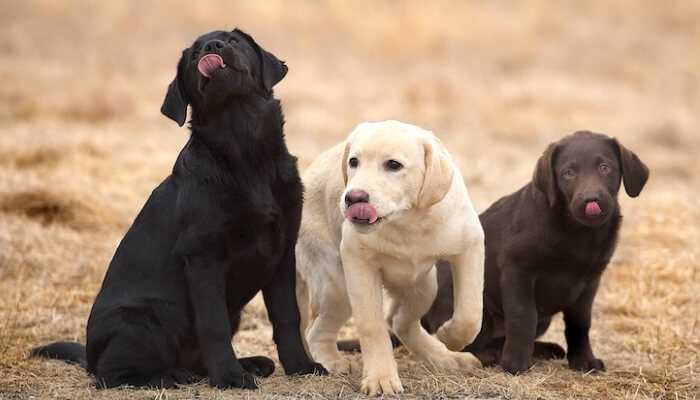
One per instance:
(216, 67)
(584, 170)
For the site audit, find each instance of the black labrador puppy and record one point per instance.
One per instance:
(546, 247)
(220, 228)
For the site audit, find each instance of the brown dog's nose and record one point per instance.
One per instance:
(591, 196)
(356, 196)
(213, 45)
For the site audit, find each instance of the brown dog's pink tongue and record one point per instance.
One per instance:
(592, 208)
(210, 63)
(361, 211)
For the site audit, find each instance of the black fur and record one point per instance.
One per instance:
(220, 228)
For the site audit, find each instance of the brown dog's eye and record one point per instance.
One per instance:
(353, 162)
(604, 169)
(392, 165)
(569, 174)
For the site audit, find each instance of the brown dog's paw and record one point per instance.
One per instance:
(548, 351)
(516, 365)
(586, 364)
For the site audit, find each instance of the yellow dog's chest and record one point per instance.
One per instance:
(402, 272)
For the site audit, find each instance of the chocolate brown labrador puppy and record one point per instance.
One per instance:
(546, 247)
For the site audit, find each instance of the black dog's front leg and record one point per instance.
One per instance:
(578, 322)
(207, 288)
(520, 312)
(280, 300)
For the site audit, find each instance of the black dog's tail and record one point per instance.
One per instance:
(67, 351)
(353, 345)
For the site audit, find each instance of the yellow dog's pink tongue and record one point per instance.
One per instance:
(361, 211)
(592, 208)
(210, 63)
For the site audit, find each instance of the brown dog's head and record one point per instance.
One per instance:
(218, 66)
(584, 171)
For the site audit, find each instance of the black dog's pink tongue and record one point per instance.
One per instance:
(210, 63)
(592, 208)
(361, 211)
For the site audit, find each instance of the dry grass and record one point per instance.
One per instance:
(82, 144)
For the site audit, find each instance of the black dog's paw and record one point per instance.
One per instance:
(548, 351)
(303, 366)
(260, 366)
(169, 378)
(516, 364)
(313, 368)
(236, 379)
(586, 364)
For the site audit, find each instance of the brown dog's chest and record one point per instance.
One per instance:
(563, 275)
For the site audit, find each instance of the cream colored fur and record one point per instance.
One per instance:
(425, 215)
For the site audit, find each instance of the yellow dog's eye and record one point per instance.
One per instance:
(393, 165)
(353, 162)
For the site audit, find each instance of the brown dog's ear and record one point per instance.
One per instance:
(543, 178)
(438, 175)
(176, 100)
(345, 162)
(272, 69)
(634, 172)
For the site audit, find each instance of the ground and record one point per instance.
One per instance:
(82, 144)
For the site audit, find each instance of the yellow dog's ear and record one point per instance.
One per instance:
(345, 162)
(438, 175)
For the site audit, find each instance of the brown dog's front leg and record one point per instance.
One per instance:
(520, 312)
(578, 322)
(213, 327)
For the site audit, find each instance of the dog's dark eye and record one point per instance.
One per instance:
(233, 39)
(569, 174)
(605, 169)
(353, 162)
(393, 165)
(195, 55)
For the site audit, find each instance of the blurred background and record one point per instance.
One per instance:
(82, 144)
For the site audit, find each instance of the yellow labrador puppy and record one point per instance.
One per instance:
(381, 209)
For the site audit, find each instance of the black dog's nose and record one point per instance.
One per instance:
(213, 45)
(356, 196)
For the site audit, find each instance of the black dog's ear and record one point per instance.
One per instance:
(272, 68)
(176, 100)
(634, 172)
(543, 177)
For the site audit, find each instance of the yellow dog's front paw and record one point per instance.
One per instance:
(377, 385)
(342, 366)
(455, 338)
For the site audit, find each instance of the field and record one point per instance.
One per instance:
(82, 144)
